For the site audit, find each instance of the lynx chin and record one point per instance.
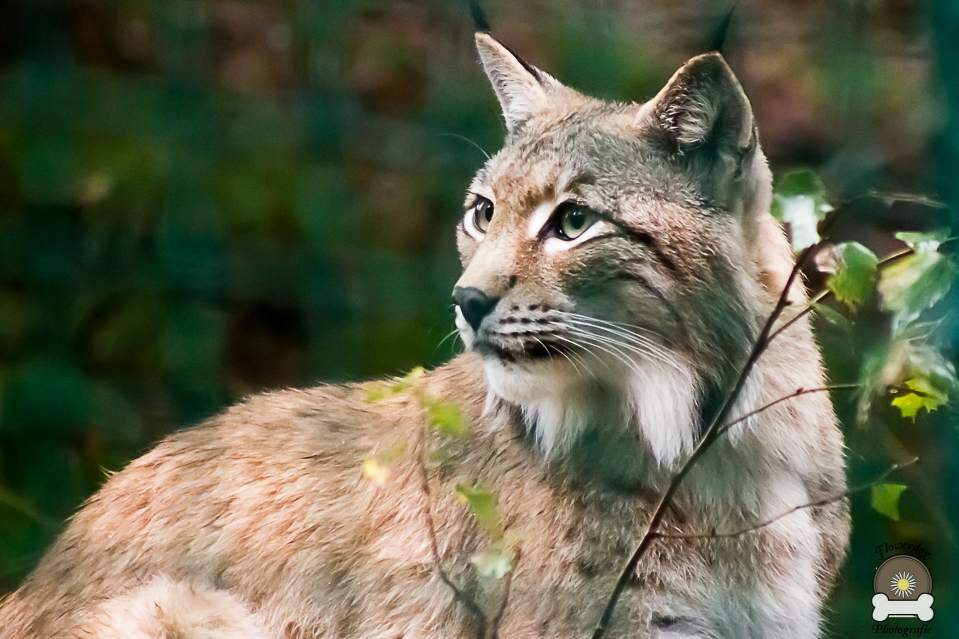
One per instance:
(619, 260)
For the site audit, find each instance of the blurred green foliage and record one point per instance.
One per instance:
(201, 199)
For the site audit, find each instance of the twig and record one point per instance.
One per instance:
(821, 502)
(910, 198)
(810, 305)
(508, 579)
(434, 547)
(796, 393)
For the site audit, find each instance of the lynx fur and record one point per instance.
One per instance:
(619, 260)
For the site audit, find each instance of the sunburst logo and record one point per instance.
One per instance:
(903, 584)
(903, 588)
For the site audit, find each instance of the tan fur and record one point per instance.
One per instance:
(262, 524)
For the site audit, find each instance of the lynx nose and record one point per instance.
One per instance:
(474, 304)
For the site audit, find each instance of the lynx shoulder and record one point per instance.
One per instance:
(619, 260)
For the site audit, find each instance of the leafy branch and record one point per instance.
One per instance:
(826, 293)
(501, 563)
(447, 419)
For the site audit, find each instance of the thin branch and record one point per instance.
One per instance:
(895, 257)
(798, 392)
(435, 549)
(821, 502)
(888, 198)
(810, 305)
(494, 630)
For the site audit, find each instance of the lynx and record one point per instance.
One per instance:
(619, 260)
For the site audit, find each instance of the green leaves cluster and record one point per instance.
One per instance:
(909, 284)
(913, 368)
(919, 393)
(444, 417)
(909, 369)
(908, 287)
(381, 391)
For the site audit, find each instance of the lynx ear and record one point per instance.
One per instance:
(703, 105)
(522, 89)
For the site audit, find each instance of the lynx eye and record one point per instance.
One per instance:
(481, 213)
(573, 220)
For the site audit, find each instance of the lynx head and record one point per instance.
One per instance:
(617, 256)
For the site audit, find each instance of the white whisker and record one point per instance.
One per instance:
(606, 346)
(628, 334)
(638, 348)
(585, 348)
(538, 341)
(631, 328)
(644, 345)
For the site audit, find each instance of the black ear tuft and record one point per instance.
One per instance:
(480, 23)
(721, 33)
(522, 89)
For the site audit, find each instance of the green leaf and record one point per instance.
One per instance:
(800, 182)
(925, 395)
(832, 316)
(885, 499)
(482, 503)
(855, 273)
(494, 563)
(915, 284)
(924, 242)
(918, 281)
(910, 403)
(379, 391)
(908, 357)
(448, 418)
(799, 203)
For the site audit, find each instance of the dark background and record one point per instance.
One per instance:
(205, 199)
